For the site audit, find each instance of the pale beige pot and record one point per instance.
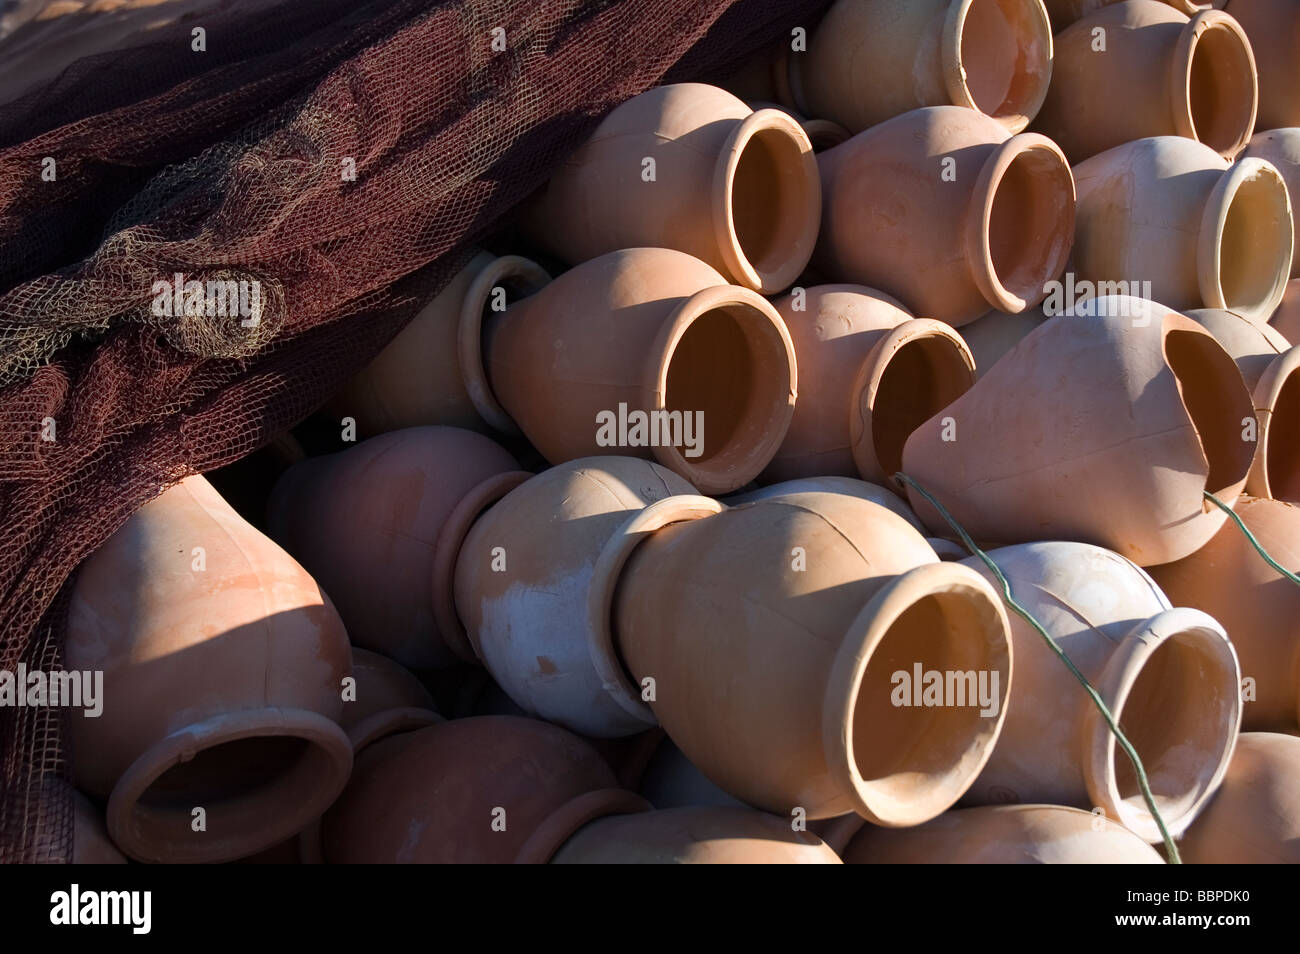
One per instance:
(870, 60)
(689, 167)
(1169, 676)
(1170, 211)
(223, 667)
(1003, 835)
(1281, 147)
(1105, 427)
(811, 603)
(1274, 30)
(524, 578)
(1260, 609)
(646, 331)
(1271, 369)
(871, 374)
(992, 336)
(1255, 817)
(1160, 73)
(946, 211)
(418, 378)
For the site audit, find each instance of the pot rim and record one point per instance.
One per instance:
(605, 576)
(804, 218)
(1180, 100)
(563, 823)
(1280, 371)
(862, 638)
(446, 551)
(740, 464)
(955, 73)
(131, 834)
(469, 333)
(1117, 679)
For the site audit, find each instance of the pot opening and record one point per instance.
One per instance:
(921, 378)
(1282, 456)
(1004, 59)
(1031, 223)
(1217, 402)
(1179, 716)
(1255, 245)
(916, 760)
(1221, 91)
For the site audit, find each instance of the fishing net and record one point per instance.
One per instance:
(342, 157)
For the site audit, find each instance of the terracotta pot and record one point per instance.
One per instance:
(822, 133)
(689, 167)
(693, 836)
(1281, 148)
(90, 842)
(1259, 608)
(364, 521)
(810, 601)
(1169, 676)
(1094, 428)
(993, 335)
(401, 806)
(1255, 817)
(524, 579)
(1003, 835)
(1271, 369)
(671, 780)
(388, 699)
(1170, 212)
(1286, 319)
(948, 248)
(871, 374)
(640, 332)
(1274, 30)
(833, 485)
(418, 378)
(227, 665)
(1065, 12)
(1159, 74)
(870, 60)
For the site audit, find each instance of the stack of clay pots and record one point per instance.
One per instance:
(660, 505)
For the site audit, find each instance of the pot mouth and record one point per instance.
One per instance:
(901, 763)
(1245, 245)
(1275, 473)
(825, 134)
(1217, 404)
(563, 823)
(1173, 685)
(601, 641)
(722, 375)
(1020, 223)
(767, 201)
(260, 775)
(1214, 86)
(517, 277)
(446, 551)
(997, 58)
(915, 371)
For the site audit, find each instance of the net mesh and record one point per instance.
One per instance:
(342, 157)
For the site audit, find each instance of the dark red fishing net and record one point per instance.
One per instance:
(230, 164)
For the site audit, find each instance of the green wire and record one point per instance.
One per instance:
(1251, 537)
(1171, 850)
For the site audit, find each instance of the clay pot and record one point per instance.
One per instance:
(364, 521)
(1105, 427)
(1255, 817)
(226, 662)
(1065, 12)
(822, 133)
(693, 836)
(1159, 74)
(527, 574)
(418, 378)
(1169, 676)
(947, 212)
(871, 374)
(870, 60)
(646, 331)
(811, 602)
(1271, 369)
(833, 485)
(388, 699)
(689, 167)
(1259, 608)
(90, 842)
(1286, 320)
(433, 795)
(1274, 30)
(1281, 148)
(992, 336)
(1170, 212)
(1003, 835)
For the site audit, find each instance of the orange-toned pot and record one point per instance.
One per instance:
(1273, 27)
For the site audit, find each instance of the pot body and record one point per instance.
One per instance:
(946, 211)
(1273, 27)
(1260, 609)
(222, 670)
(365, 522)
(1095, 428)
(993, 335)
(385, 699)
